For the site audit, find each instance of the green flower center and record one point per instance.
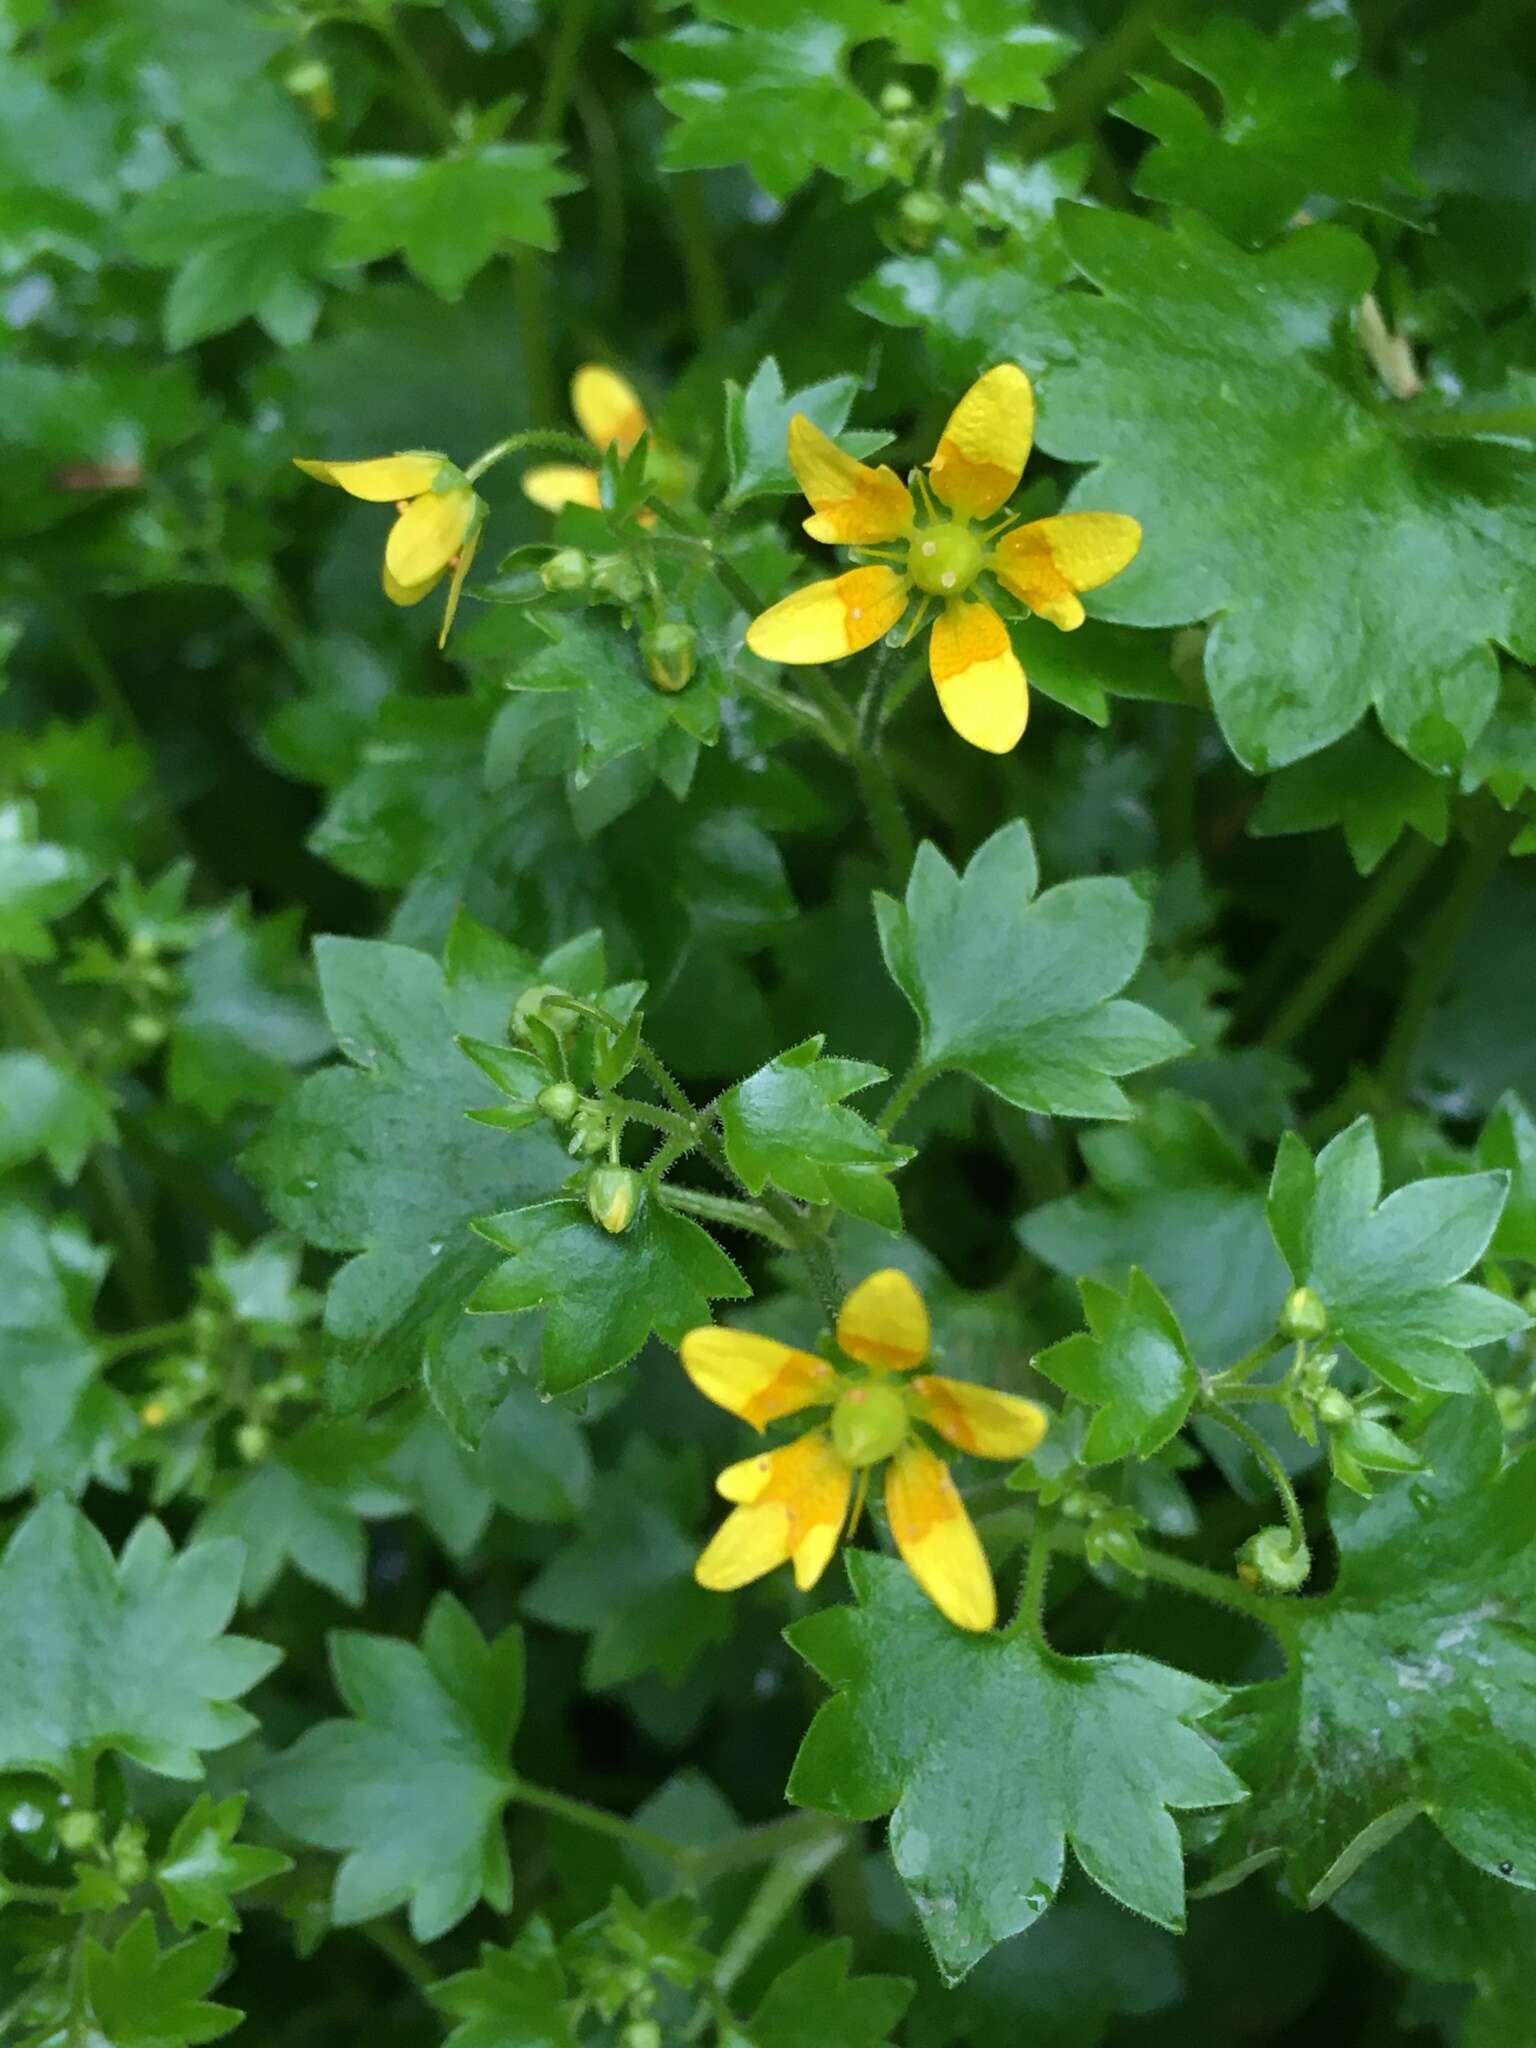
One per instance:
(944, 560)
(868, 1423)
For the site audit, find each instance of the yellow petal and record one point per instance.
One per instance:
(884, 1322)
(607, 409)
(555, 485)
(411, 593)
(983, 449)
(755, 1377)
(827, 620)
(382, 479)
(793, 1503)
(1046, 563)
(982, 1420)
(852, 501)
(982, 689)
(428, 534)
(937, 1539)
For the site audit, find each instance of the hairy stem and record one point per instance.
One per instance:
(1355, 936)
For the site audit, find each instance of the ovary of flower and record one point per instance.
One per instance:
(609, 412)
(941, 555)
(791, 1504)
(438, 523)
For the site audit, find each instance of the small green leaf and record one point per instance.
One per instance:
(204, 1866)
(1019, 990)
(991, 1756)
(603, 1295)
(627, 1580)
(285, 1516)
(815, 2001)
(241, 249)
(412, 1789)
(39, 882)
(1368, 788)
(447, 216)
(517, 1995)
(765, 83)
(990, 50)
(784, 1124)
(1508, 1145)
(49, 1110)
(162, 1678)
(1132, 1364)
(1300, 121)
(143, 1996)
(757, 428)
(1388, 1275)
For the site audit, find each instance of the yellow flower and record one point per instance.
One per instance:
(792, 1504)
(438, 528)
(609, 413)
(981, 455)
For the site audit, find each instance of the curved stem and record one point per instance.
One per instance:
(1247, 1365)
(549, 439)
(726, 1210)
(905, 1093)
(1031, 1609)
(598, 1821)
(1279, 1478)
(1367, 921)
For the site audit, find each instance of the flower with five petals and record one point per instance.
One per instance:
(439, 522)
(942, 555)
(792, 1504)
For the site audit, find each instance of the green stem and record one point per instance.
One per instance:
(423, 95)
(1248, 1364)
(1220, 1588)
(1442, 939)
(548, 439)
(627, 1110)
(730, 576)
(1359, 931)
(1279, 1478)
(1031, 1609)
(1086, 89)
(32, 1894)
(784, 1883)
(150, 1339)
(751, 1846)
(598, 1821)
(703, 278)
(1513, 422)
(407, 1958)
(906, 1092)
(726, 1210)
(571, 19)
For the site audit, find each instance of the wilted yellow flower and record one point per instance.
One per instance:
(609, 412)
(438, 528)
(792, 1504)
(981, 455)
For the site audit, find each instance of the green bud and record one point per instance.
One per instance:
(77, 1831)
(612, 1192)
(896, 98)
(868, 1423)
(641, 2034)
(144, 1029)
(616, 579)
(207, 1327)
(1304, 1318)
(310, 81)
(669, 650)
(251, 1441)
(919, 218)
(1335, 1408)
(130, 1865)
(589, 1131)
(1273, 1559)
(534, 1006)
(559, 1101)
(568, 569)
(1514, 1406)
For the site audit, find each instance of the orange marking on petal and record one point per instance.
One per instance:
(982, 1420)
(982, 688)
(937, 1538)
(985, 443)
(852, 501)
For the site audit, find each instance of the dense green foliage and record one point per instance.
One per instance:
(402, 1050)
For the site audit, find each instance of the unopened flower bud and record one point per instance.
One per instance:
(589, 1131)
(251, 1441)
(144, 1029)
(612, 1192)
(78, 1830)
(310, 81)
(1335, 1408)
(155, 1414)
(568, 569)
(616, 579)
(535, 1003)
(130, 1865)
(1275, 1560)
(559, 1101)
(1304, 1318)
(1514, 1406)
(669, 650)
(921, 215)
(896, 98)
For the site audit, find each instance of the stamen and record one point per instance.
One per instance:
(860, 1495)
(925, 605)
(925, 492)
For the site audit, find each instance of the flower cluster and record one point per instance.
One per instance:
(792, 1504)
(440, 515)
